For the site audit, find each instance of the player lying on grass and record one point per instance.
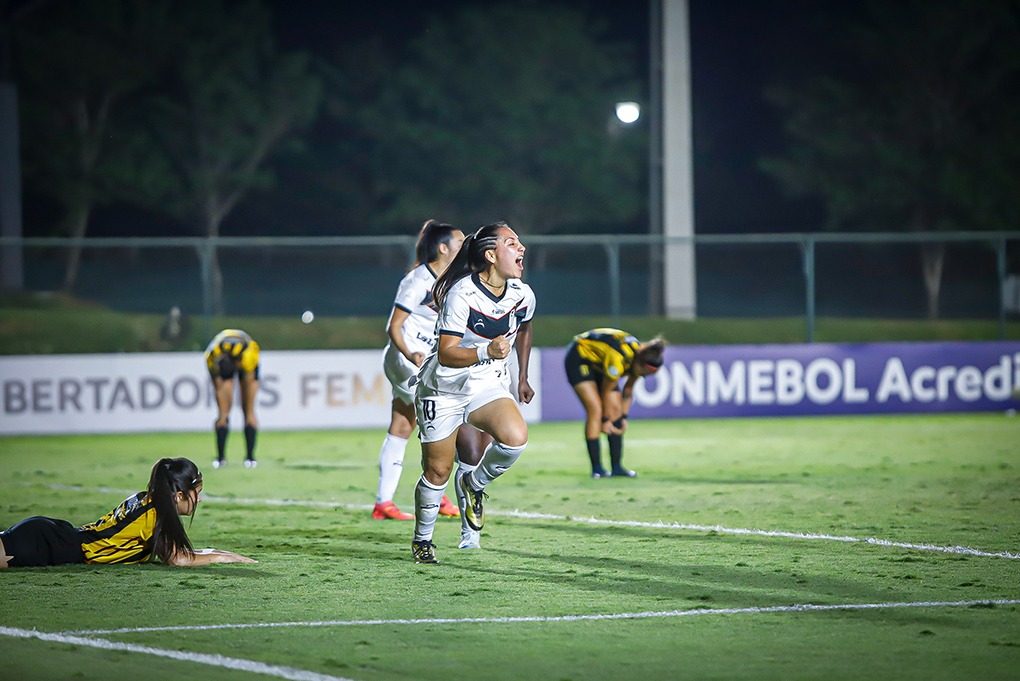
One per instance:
(146, 526)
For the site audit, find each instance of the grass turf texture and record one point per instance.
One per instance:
(949, 480)
(32, 325)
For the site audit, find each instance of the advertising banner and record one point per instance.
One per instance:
(157, 392)
(786, 380)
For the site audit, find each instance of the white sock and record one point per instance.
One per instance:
(391, 464)
(496, 460)
(462, 468)
(426, 508)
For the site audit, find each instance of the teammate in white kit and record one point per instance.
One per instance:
(412, 332)
(482, 303)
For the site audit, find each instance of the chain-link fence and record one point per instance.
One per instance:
(747, 275)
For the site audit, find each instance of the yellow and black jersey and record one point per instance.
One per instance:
(236, 345)
(601, 352)
(124, 535)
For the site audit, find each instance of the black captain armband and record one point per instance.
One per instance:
(624, 416)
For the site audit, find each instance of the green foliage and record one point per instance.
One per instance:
(942, 480)
(230, 101)
(501, 111)
(914, 126)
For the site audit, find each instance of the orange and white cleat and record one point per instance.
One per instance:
(448, 508)
(389, 511)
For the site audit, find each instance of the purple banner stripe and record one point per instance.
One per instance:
(789, 380)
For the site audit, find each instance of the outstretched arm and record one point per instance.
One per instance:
(207, 557)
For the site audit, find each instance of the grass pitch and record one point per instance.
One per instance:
(836, 548)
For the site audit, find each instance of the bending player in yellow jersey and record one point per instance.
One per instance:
(233, 353)
(595, 362)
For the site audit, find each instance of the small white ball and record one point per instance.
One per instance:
(308, 316)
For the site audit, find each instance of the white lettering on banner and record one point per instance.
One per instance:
(823, 380)
(342, 390)
(939, 384)
(171, 392)
(757, 381)
(69, 395)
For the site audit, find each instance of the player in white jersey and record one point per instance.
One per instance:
(482, 302)
(412, 330)
(471, 442)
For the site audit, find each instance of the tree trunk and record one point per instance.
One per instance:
(216, 283)
(933, 256)
(212, 230)
(79, 222)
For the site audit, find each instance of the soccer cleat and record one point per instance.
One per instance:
(470, 539)
(474, 510)
(424, 551)
(389, 511)
(448, 508)
(250, 463)
(599, 473)
(219, 463)
(621, 472)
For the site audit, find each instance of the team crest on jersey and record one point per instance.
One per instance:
(489, 327)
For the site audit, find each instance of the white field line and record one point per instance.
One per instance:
(719, 529)
(251, 666)
(696, 612)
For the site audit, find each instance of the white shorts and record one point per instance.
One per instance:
(399, 370)
(441, 414)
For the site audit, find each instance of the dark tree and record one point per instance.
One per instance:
(501, 111)
(914, 126)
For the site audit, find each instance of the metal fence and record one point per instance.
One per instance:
(876, 275)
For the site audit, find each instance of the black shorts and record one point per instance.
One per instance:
(39, 542)
(579, 369)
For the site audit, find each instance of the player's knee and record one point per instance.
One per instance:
(516, 436)
(437, 475)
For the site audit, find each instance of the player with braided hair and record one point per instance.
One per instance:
(482, 304)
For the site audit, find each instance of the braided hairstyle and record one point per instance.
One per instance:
(170, 476)
(470, 259)
(433, 234)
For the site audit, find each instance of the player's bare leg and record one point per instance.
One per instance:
(588, 393)
(249, 391)
(224, 389)
(502, 420)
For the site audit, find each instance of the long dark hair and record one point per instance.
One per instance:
(469, 260)
(170, 476)
(433, 233)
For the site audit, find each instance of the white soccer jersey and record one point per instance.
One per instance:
(473, 313)
(414, 296)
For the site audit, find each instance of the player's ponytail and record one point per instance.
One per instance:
(170, 476)
(469, 260)
(433, 234)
